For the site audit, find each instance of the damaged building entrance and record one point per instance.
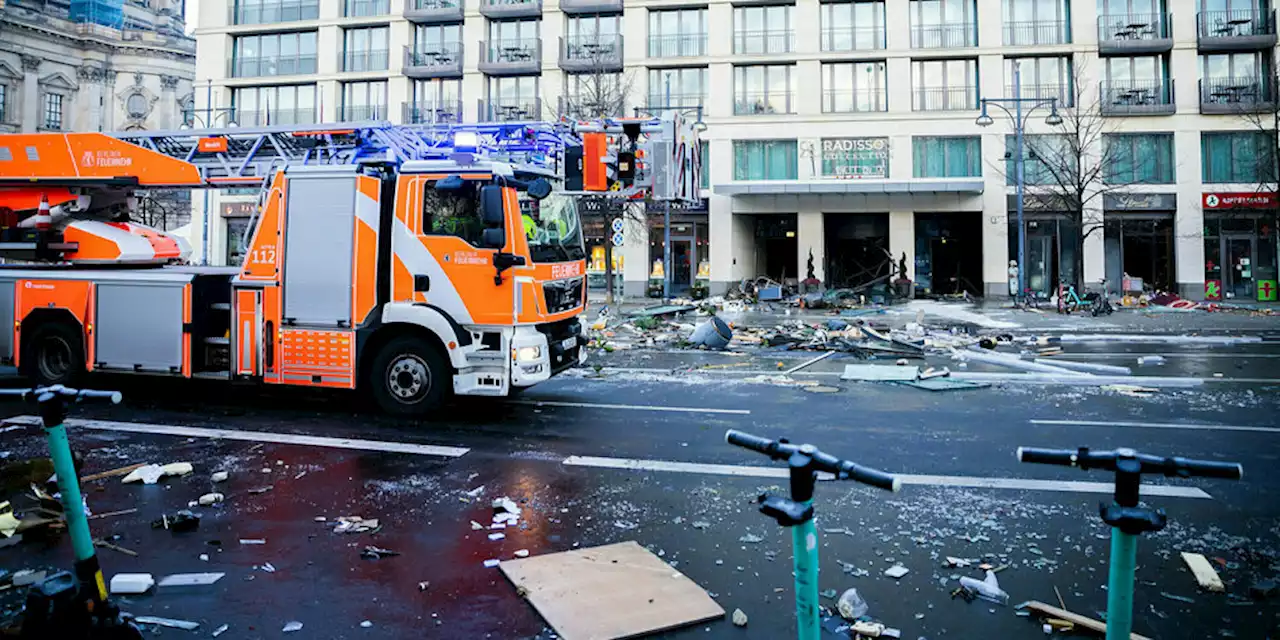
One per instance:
(948, 254)
(777, 248)
(1138, 241)
(857, 249)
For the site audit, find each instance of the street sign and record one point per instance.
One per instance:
(616, 225)
(617, 239)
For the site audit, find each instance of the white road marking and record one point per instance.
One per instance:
(255, 436)
(1018, 484)
(630, 407)
(1155, 425)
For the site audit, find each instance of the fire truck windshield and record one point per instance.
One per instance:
(553, 228)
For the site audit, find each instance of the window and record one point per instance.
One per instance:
(934, 157)
(365, 49)
(365, 8)
(1237, 156)
(1231, 18)
(594, 95)
(4, 103)
(593, 28)
(682, 32)
(944, 23)
(852, 25)
(944, 85)
(262, 106)
(685, 87)
(513, 31)
(704, 172)
(1029, 22)
(1050, 159)
(761, 89)
(1042, 78)
(1138, 158)
(364, 100)
(1129, 7)
(259, 12)
(438, 38)
(765, 160)
(451, 213)
(853, 87)
(1135, 80)
(435, 100)
(514, 98)
(1235, 77)
(52, 111)
(274, 54)
(759, 30)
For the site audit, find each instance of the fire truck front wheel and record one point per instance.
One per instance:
(409, 378)
(55, 354)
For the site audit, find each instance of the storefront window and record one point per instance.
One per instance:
(236, 230)
(1241, 261)
(1052, 252)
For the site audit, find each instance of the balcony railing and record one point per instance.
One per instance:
(366, 8)
(944, 98)
(271, 12)
(434, 60)
(1134, 33)
(763, 42)
(513, 56)
(510, 110)
(1237, 95)
(1138, 98)
(855, 101)
(510, 8)
(363, 112)
(1059, 91)
(591, 53)
(371, 60)
(240, 67)
(678, 46)
(1036, 32)
(427, 11)
(591, 6)
(587, 108)
(944, 36)
(431, 112)
(659, 100)
(1236, 30)
(262, 118)
(757, 103)
(853, 38)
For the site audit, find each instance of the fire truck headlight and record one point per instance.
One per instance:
(528, 354)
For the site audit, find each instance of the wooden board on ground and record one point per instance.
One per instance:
(1079, 620)
(1203, 571)
(614, 591)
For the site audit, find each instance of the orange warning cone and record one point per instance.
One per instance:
(43, 219)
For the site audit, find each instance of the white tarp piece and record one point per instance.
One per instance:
(879, 373)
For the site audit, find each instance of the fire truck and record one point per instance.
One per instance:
(409, 262)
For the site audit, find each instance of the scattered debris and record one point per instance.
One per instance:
(260, 490)
(354, 524)
(739, 618)
(507, 505)
(476, 492)
(476, 526)
(879, 373)
(1051, 611)
(114, 547)
(129, 583)
(112, 514)
(219, 476)
(497, 536)
(112, 473)
(1174, 596)
(1144, 361)
(1264, 589)
(221, 630)
(988, 589)
(896, 571)
(190, 579)
(1129, 390)
(700, 524)
(751, 539)
(151, 473)
(290, 627)
(185, 625)
(1205, 576)
(489, 564)
(957, 562)
(377, 553)
(365, 624)
(422, 586)
(522, 553)
(851, 605)
(253, 541)
(268, 567)
(210, 498)
(180, 522)
(9, 523)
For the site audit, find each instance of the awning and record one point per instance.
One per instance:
(794, 187)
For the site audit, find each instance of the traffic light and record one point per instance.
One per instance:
(626, 166)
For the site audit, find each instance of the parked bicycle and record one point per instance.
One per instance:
(1097, 303)
(1128, 520)
(796, 512)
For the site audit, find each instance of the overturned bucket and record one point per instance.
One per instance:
(712, 334)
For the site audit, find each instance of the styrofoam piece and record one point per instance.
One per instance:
(879, 373)
(1087, 367)
(132, 583)
(190, 579)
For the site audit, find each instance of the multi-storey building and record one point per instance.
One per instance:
(842, 135)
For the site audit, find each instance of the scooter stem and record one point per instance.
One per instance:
(87, 568)
(1124, 560)
(804, 547)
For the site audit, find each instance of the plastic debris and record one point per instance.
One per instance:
(851, 605)
(712, 334)
(700, 524)
(189, 579)
(475, 493)
(376, 553)
(505, 504)
(268, 567)
(1146, 361)
(210, 498)
(354, 524)
(152, 473)
(489, 564)
(896, 571)
(220, 630)
(422, 586)
(365, 624)
(219, 476)
(180, 522)
(751, 539)
(128, 583)
(1174, 596)
(476, 526)
(497, 536)
(523, 553)
(253, 541)
(185, 625)
(739, 618)
(988, 589)
(290, 627)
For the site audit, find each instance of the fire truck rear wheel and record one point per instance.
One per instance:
(409, 377)
(57, 356)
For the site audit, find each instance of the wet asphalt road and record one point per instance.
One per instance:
(518, 449)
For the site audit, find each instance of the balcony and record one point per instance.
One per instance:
(592, 7)
(1233, 96)
(1036, 32)
(435, 60)
(944, 36)
(433, 11)
(371, 60)
(431, 112)
(510, 110)
(854, 101)
(263, 118)
(366, 8)
(238, 67)
(504, 9)
(1236, 30)
(763, 42)
(1053, 91)
(853, 39)
(1137, 98)
(273, 12)
(511, 57)
(1133, 34)
(678, 46)
(963, 98)
(658, 101)
(591, 53)
(760, 103)
(363, 112)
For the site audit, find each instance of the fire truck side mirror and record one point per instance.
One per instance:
(491, 212)
(539, 189)
(493, 238)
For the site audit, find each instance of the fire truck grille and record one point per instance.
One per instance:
(563, 295)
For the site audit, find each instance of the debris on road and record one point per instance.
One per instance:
(750, 538)
(1264, 589)
(210, 499)
(422, 586)
(220, 630)
(114, 547)
(522, 553)
(9, 523)
(713, 334)
(190, 579)
(112, 514)
(739, 618)
(268, 567)
(1050, 611)
(988, 589)
(131, 583)
(595, 592)
(251, 541)
(290, 627)
(185, 625)
(1205, 576)
(505, 505)
(896, 571)
(180, 522)
(476, 526)
(1147, 361)
(354, 524)
(851, 605)
(152, 473)
(879, 373)
(219, 476)
(112, 473)
(497, 536)
(1176, 597)
(489, 564)
(377, 553)
(1132, 390)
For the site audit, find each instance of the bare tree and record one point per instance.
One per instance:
(1262, 116)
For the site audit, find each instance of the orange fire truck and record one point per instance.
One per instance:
(413, 263)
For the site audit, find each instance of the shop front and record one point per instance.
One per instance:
(1138, 241)
(948, 254)
(690, 243)
(1053, 244)
(1240, 246)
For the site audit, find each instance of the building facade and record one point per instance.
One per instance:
(842, 137)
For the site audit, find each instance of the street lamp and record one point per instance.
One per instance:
(1019, 115)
